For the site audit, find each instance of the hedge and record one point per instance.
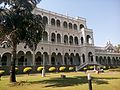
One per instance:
(62, 68)
(27, 70)
(71, 68)
(39, 69)
(51, 69)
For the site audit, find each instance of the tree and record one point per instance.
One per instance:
(18, 24)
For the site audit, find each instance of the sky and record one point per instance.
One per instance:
(102, 16)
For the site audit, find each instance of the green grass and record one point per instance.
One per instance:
(53, 81)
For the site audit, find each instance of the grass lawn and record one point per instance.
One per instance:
(73, 81)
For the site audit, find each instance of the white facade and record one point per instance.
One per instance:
(66, 41)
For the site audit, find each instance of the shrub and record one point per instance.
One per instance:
(85, 69)
(1, 73)
(104, 67)
(39, 69)
(62, 68)
(27, 70)
(16, 69)
(51, 69)
(71, 68)
(91, 67)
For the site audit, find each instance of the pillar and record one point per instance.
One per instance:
(63, 61)
(49, 59)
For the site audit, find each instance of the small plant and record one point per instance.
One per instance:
(27, 70)
(1, 73)
(51, 69)
(62, 68)
(91, 67)
(39, 69)
(104, 67)
(84, 69)
(71, 68)
(16, 69)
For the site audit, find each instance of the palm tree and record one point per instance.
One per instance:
(18, 24)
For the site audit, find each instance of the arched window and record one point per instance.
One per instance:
(70, 25)
(81, 26)
(45, 20)
(40, 17)
(45, 36)
(109, 60)
(83, 57)
(65, 39)
(21, 61)
(53, 37)
(89, 41)
(90, 57)
(71, 61)
(100, 59)
(53, 21)
(53, 60)
(65, 24)
(38, 61)
(65, 60)
(71, 40)
(75, 26)
(58, 23)
(58, 38)
(76, 40)
(77, 59)
(96, 59)
(4, 60)
(82, 40)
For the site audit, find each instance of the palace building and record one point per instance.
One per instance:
(67, 41)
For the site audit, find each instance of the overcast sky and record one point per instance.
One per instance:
(103, 16)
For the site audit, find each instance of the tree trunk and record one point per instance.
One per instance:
(12, 71)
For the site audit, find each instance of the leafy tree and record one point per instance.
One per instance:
(18, 24)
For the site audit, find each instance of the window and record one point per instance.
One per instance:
(53, 21)
(65, 24)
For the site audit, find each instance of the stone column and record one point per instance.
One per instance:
(63, 61)
(49, 59)
(43, 71)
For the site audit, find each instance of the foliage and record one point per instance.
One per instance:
(62, 68)
(71, 68)
(2, 72)
(51, 69)
(16, 69)
(39, 69)
(91, 67)
(84, 68)
(104, 67)
(27, 70)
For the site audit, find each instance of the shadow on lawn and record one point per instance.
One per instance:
(71, 81)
